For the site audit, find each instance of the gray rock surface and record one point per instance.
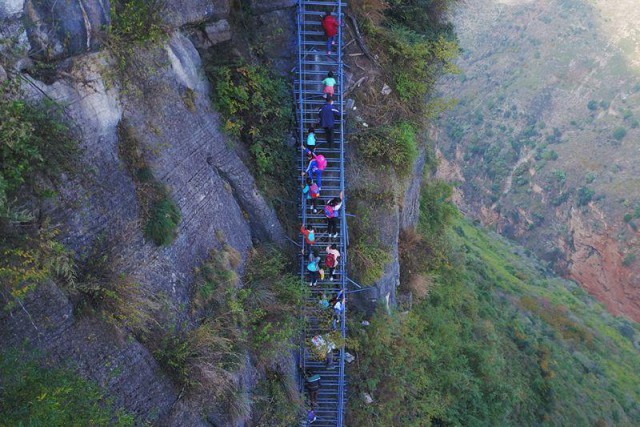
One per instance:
(61, 29)
(94, 349)
(410, 209)
(218, 32)
(274, 31)
(262, 6)
(171, 115)
(182, 12)
(388, 221)
(10, 8)
(187, 151)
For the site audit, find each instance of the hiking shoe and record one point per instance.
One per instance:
(331, 278)
(315, 211)
(329, 52)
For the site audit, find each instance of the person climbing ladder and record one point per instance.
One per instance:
(330, 25)
(327, 119)
(331, 211)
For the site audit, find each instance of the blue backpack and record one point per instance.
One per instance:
(330, 212)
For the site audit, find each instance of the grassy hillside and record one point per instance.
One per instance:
(497, 340)
(544, 136)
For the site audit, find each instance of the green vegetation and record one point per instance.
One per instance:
(29, 259)
(164, 217)
(258, 313)
(34, 394)
(35, 147)
(276, 401)
(368, 257)
(158, 211)
(134, 24)
(254, 107)
(491, 341)
(137, 21)
(413, 45)
(368, 262)
(619, 133)
(101, 288)
(585, 194)
(395, 146)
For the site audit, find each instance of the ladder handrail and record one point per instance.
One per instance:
(311, 65)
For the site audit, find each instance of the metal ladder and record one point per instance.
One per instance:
(313, 65)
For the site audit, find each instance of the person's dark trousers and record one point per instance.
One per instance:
(328, 132)
(313, 398)
(329, 360)
(332, 225)
(313, 277)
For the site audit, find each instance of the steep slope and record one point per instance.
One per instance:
(492, 338)
(543, 140)
(143, 116)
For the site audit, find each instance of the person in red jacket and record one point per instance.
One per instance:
(330, 25)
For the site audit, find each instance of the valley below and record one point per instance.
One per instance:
(543, 141)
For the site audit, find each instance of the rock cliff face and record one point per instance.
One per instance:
(169, 112)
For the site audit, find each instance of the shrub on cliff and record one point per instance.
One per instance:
(257, 313)
(158, 211)
(36, 146)
(35, 394)
(164, 217)
(253, 104)
(395, 145)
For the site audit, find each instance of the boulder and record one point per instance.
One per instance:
(218, 32)
(61, 29)
(184, 12)
(10, 8)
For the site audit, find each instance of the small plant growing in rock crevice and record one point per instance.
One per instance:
(158, 211)
(134, 24)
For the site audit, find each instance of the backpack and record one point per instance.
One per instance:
(330, 260)
(321, 162)
(330, 212)
(314, 191)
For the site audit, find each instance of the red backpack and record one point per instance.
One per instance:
(314, 191)
(330, 261)
(329, 211)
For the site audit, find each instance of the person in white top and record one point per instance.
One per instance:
(331, 211)
(331, 260)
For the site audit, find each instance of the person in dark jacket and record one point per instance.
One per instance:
(312, 383)
(327, 115)
(330, 25)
